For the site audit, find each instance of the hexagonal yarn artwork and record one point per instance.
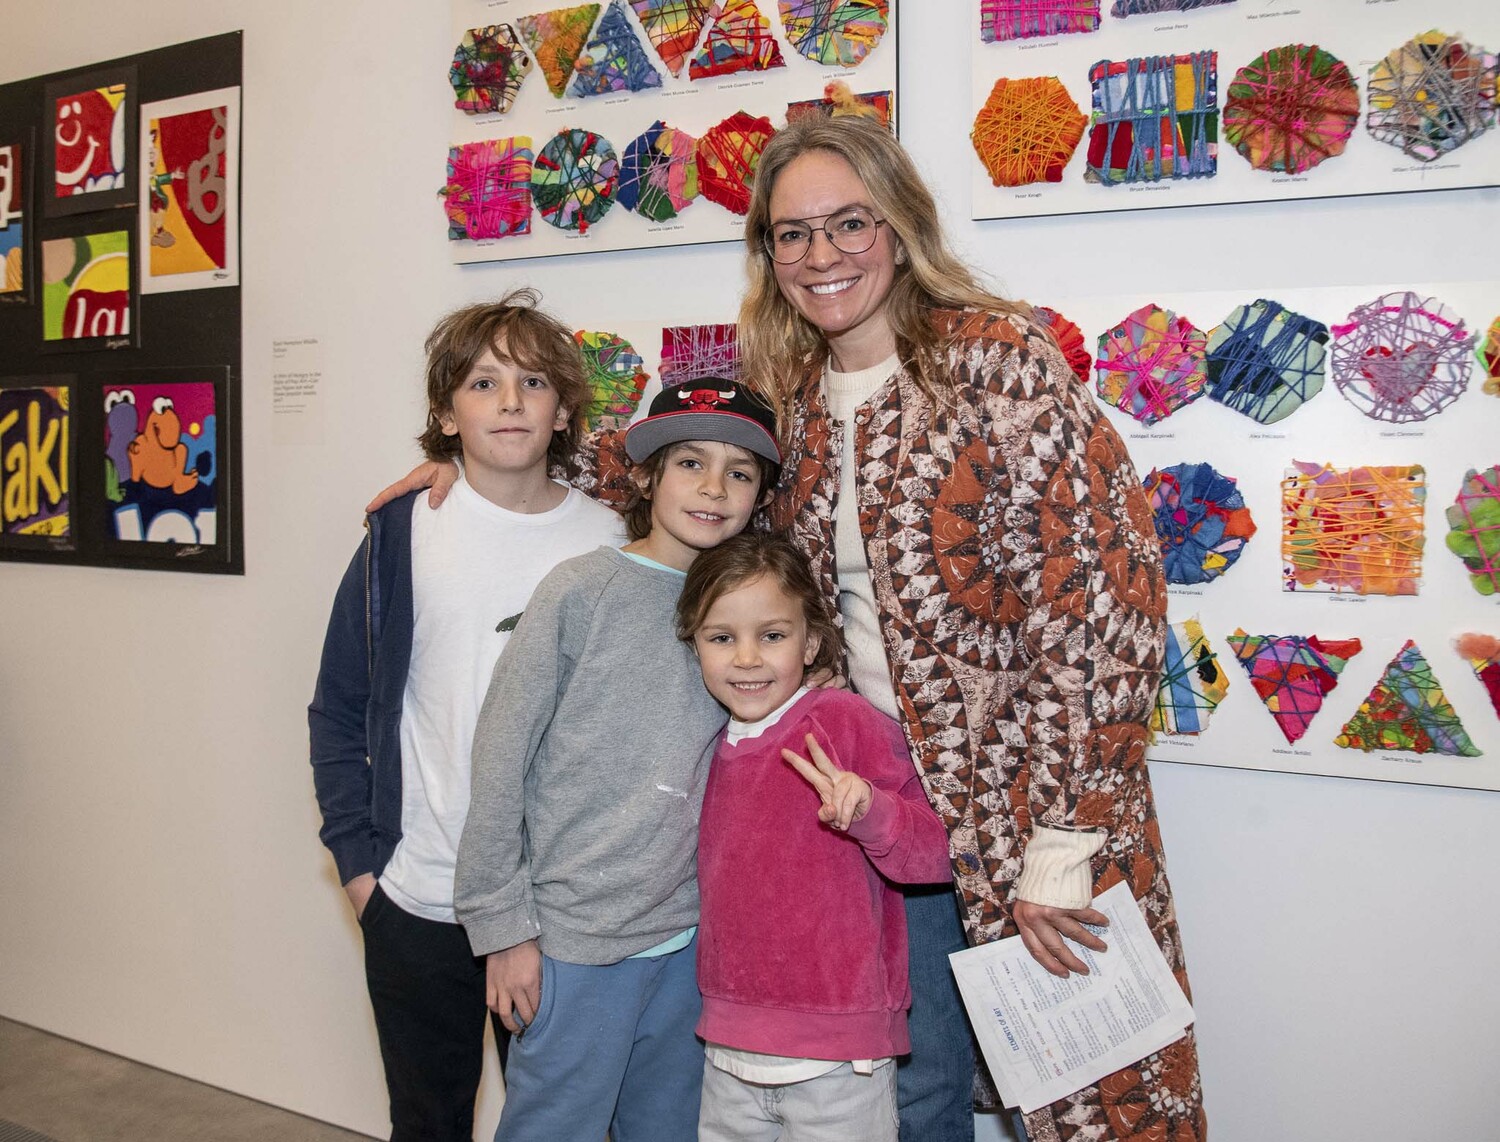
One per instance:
(1027, 131)
(574, 179)
(1266, 361)
(1402, 358)
(1001, 20)
(1291, 108)
(487, 70)
(1201, 520)
(841, 32)
(1431, 95)
(727, 157)
(1474, 528)
(616, 379)
(659, 176)
(1151, 364)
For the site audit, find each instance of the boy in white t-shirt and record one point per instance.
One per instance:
(420, 618)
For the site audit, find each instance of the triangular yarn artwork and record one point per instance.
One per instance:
(1474, 528)
(1293, 674)
(1402, 358)
(659, 177)
(739, 40)
(488, 193)
(1069, 339)
(1266, 361)
(1192, 682)
(728, 154)
(1431, 95)
(1291, 108)
(1407, 711)
(1353, 530)
(615, 376)
(488, 67)
(557, 39)
(692, 352)
(1027, 130)
(1001, 20)
(614, 59)
(841, 32)
(1483, 653)
(673, 27)
(1151, 364)
(1201, 520)
(574, 179)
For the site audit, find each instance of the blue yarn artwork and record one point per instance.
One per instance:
(614, 59)
(1122, 8)
(1266, 361)
(1200, 518)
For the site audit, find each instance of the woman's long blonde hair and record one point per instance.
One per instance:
(777, 344)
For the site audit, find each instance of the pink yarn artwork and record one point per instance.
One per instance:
(488, 194)
(1402, 358)
(1151, 364)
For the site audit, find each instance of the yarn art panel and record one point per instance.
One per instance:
(488, 67)
(574, 179)
(692, 352)
(727, 156)
(659, 176)
(1027, 131)
(673, 27)
(1431, 95)
(1266, 361)
(1291, 108)
(616, 378)
(556, 40)
(1474, 528)
(1192, 682)
(740, 40)
(1402, 358)
(835, 32)
(614, 59)
(1201, 520)
(1483, 653)
(488, 194)
(1069, 339)
(1352, 529)
(1001, 20)
(1154, 117)
(839, 101)
(1489, 358)
(1407, 711)
(1151, 364)
(1293, 674)
(1122, 8)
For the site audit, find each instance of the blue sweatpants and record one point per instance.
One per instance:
(611, 1048)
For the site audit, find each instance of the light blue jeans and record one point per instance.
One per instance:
(611, 1049)
(834, 1107)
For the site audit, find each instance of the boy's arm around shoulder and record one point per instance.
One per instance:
(901, 834)
(492, 884)
(336, 723)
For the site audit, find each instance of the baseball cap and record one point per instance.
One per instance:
(709, 408)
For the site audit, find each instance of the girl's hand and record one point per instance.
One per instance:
(440, 477)
(826, 678)
(846, 796)
(1043, 928)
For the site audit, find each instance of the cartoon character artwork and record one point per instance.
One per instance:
(161, 462)
(12, 215)
(89, 138)
(189, 183)
(86, 295)
(34, 461)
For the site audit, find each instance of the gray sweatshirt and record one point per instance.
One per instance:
(590, 759)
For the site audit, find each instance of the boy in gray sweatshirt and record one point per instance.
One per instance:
(577, 867)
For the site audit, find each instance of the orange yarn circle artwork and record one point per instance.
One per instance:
(1027, 130)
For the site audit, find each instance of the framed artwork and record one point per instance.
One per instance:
(631, 124)
(90, 150)
(189, 191)
(89, 299)
(16, 270)
(36, 463)
(1084, 106)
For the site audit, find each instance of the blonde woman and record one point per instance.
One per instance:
(985, 538)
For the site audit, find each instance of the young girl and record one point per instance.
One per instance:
(813, 810)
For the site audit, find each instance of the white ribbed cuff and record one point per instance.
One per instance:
(1056, 868)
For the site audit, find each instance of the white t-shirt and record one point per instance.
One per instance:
(474, 567)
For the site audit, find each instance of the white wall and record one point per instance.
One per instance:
(162, 890)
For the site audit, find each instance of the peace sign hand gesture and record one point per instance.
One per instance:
(846, 796)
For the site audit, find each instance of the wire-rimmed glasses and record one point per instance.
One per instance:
(850, 230)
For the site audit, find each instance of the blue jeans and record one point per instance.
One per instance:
(611, 1049)
(934, 1084)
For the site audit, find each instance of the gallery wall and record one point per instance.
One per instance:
(162, 891)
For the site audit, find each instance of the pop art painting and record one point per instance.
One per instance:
(161, 462)
(35, 463)
(189, 228)
(90, 149)
(87, 300)
(15, 204)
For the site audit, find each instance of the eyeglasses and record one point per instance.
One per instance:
(851, 230)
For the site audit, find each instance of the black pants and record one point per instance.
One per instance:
(427, 989)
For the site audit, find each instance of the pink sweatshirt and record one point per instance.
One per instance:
(802, 938)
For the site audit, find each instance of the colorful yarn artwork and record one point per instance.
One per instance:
(1001, 20)
(487, 69)
(1151, 364)
(1266, 361)
(1353, 530)
(1201, 520)
(841, 32)
(1122, 8)
(838, 101)
(489, 189)
(1474, 528)
(1489, 359)
(692, 352)
(672, 26)
(1027, 131)
(659, 177)
(1069, 339)
(556, 39)
(1407, 711)
(727, 157)
(1192, 683)
(614, 59)
(1155, 117)
(1432, 95)
(1293, 674)
(1402, 358)
(1483, 653)
(1291, 108)
(740, 40)
(615, 376)
(575, 179)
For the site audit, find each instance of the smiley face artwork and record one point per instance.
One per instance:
(89, 141)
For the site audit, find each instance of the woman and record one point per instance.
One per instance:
(998, 575)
